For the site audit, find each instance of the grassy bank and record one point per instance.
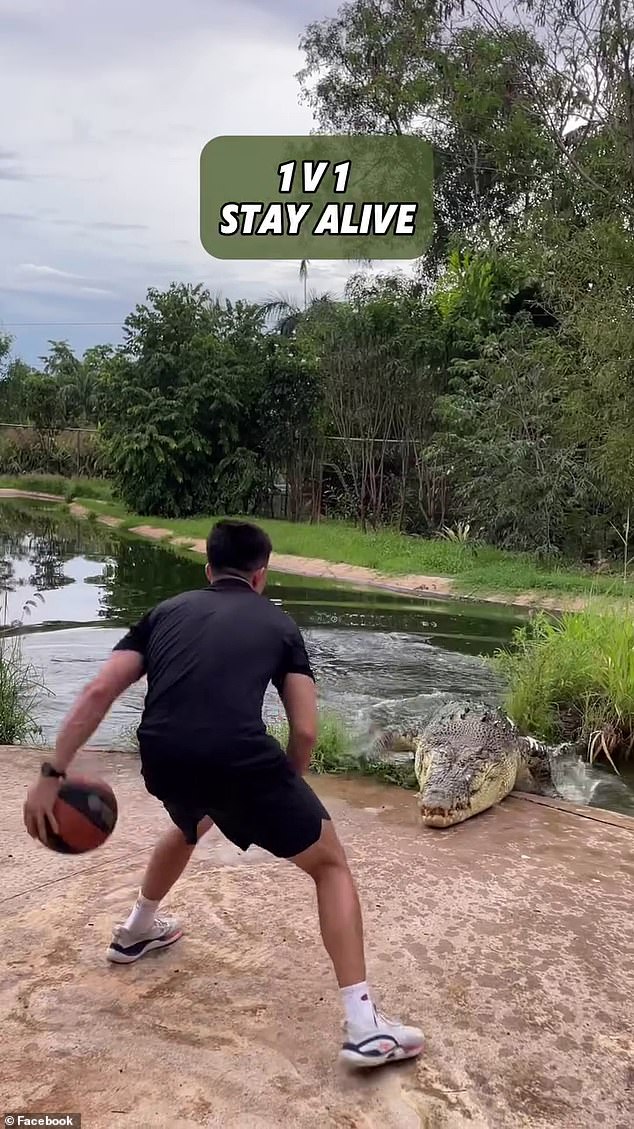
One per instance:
(572, 679)
(20, 686)
(473, 569)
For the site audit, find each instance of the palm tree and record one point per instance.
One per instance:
(288, 315)
(303, 277)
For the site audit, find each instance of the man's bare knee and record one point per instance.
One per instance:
(326, 852)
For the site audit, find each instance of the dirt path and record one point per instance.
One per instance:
(412, 585)
(493, 935)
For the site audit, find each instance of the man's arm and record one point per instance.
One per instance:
(299, 699)
(295, 684)
(125, 666)
(122, 669)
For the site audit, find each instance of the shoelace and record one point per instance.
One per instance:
(160, 923)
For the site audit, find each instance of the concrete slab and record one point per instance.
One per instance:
(510, 938)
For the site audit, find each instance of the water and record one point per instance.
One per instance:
(377, 656)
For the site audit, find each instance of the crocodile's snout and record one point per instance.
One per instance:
(443, 816)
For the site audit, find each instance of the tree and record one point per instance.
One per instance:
(170, 416)
(303, 278)
(400, 66)
(287, 315)
(378, 357)
(587, 107)
(5, 351)
(200, 407)
(45, 404)
(13, 391)
(288, 410)
(78, 379)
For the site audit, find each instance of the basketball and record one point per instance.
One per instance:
(86, 813)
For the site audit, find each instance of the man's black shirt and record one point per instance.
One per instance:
(209, 657)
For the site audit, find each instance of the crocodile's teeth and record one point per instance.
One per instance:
(442, 817)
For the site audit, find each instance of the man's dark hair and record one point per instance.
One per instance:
(238, 547)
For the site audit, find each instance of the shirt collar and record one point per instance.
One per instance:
(229, 582)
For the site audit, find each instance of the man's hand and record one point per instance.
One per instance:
(120, 671)
(38, 808)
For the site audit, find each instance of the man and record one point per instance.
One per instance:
(209, 656)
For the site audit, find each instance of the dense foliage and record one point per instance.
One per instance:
(491, 395)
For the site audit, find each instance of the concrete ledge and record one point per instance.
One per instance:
(599, 815)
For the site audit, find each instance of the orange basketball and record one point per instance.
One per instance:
(86, 813)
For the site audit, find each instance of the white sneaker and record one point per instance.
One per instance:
(126, 947)
(387, 1041)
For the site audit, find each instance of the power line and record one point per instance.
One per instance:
(58, 324)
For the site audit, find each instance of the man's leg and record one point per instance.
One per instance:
(340, 917)
(143, 930)
(371, 1039)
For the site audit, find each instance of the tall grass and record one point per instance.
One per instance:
(572, 679)
(334, 754)
(20, 687)
(333, 751)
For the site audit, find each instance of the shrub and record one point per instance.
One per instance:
(335, 754)
(24, 451)
(95, 488)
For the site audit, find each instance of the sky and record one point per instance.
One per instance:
(107, 108)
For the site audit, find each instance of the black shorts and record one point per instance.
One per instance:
(283, 815)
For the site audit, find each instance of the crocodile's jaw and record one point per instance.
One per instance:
(439, 817)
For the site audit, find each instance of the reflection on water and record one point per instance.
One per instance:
(378, 657)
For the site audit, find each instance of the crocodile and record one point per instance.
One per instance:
(466, 758)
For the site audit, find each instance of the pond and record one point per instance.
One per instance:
(377, 656)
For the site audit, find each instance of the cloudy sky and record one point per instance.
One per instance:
(106, 109)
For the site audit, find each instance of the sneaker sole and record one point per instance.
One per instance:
(353, 1058)
(120, 956)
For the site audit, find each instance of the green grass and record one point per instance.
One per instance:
(68, 488)
(19, 693)
(20, 686)
(334, 754)
(474, 569)
(572, 678)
